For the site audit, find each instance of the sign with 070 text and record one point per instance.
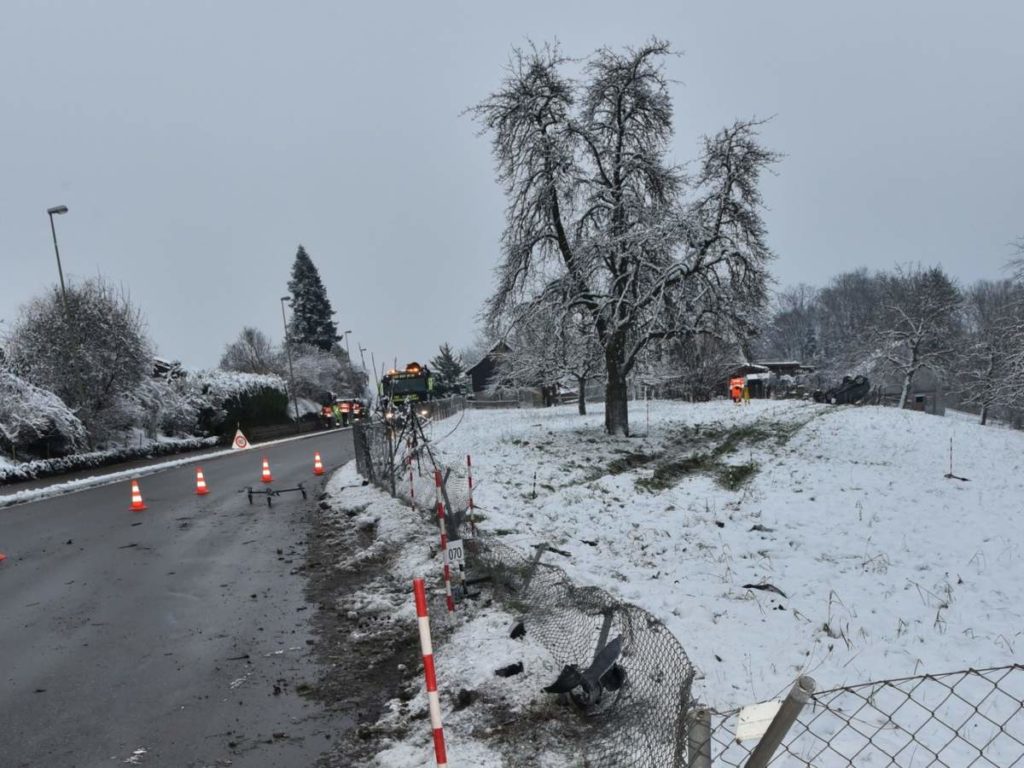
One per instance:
(455, 555)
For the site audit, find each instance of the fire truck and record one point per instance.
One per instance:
(413, 385)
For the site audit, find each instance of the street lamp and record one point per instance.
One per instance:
(347, 350)
(291, 370)
(366, 376)
(58, 210)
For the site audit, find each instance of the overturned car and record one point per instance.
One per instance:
(852, 391)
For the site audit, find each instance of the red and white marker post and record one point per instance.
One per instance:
(419, 590)
(444, 544)
(472, 509)
(412, 484)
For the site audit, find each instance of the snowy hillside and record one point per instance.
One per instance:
(880, 565)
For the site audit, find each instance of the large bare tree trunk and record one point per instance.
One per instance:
(905, 392)
(581, 383)
(616, 404)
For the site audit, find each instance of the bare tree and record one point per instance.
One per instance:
(693, 369)
(847, 311)
(918, 327)
(251, 352)
(1017, 262)
(318, 372)
(792, 331)
(598, 217)
(550, 345)
(988, 365)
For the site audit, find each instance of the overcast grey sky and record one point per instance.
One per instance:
(197, 144)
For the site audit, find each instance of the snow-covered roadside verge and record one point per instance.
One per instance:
(84, 483)
(486, 717)
(40, 468)
(885, 567)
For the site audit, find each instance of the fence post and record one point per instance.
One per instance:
(794, 702)
(534, 562)
(412, 484)
(434, 703)
(472, 509)
(449, 600)
(391, 460)
(698, 739)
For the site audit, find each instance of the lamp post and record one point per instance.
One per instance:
(366, 376)
(51, 212)
(291, 370)
(347, 350)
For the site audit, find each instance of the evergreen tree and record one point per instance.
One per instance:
(312, 314)
(447, 367)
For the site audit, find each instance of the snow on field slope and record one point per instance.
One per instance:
(879, 565)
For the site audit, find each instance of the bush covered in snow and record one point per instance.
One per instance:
(32, 470)
(167, 407)
(36, 422)
(92, 352)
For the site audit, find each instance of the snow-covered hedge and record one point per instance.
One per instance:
(32, 470)
(227, 397)
(218, 385)
(35, 421)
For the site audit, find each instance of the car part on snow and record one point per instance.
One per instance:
(511, 670)
(595, 689)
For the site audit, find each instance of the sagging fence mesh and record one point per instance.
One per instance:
(639, 724)
(963, 719)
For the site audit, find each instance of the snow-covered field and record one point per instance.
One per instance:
(888, 568)
(882, 566)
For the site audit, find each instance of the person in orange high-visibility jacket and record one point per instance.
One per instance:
(346, 408)
(736, 388)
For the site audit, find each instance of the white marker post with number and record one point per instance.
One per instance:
(455, 559)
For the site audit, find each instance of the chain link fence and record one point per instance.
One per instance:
(638, 725)
(964, 719)
(638, 721)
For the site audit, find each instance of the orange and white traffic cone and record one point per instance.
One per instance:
(318, 466)
(201, 489)
(265, 477)
(137, 504)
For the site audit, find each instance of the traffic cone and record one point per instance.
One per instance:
(137, 504)
(266, 478)
(318, 466)
(201, 489)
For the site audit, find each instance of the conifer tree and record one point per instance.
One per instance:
(312, 316)
(448, 368)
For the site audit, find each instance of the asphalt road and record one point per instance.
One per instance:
(181, 630)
